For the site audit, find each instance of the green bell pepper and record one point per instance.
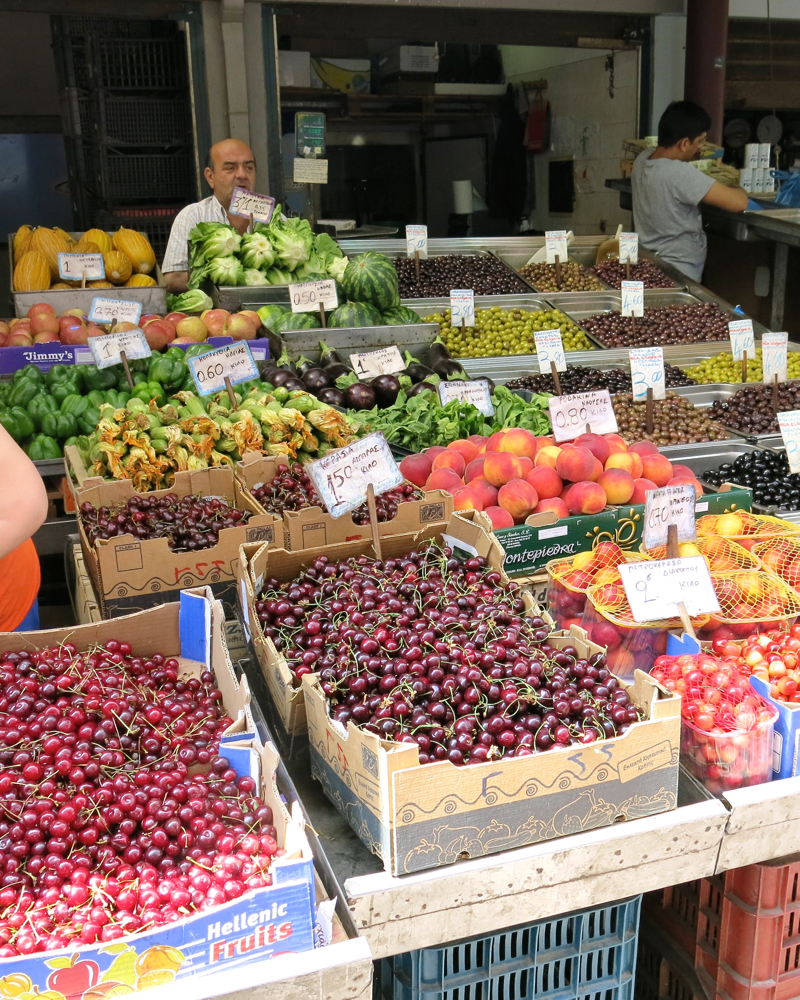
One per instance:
(98, 378)
(76, 405)
(39, 406)
(23, 392)
(43, 447)
(136, 377)
(63, 388)
(170, 372)
(96, 397)
(148, 391)
(17, 422)
(59, 425)
(88, 420)
(116, 398)
(28, 372)
(196, 350)
(60, 373)
(70, 440)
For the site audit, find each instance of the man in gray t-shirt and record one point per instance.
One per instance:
(667, 190)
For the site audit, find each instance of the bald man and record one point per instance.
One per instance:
(230, 164)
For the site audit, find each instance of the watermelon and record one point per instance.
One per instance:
(271, 314)
(400, 316)
(296, 321)
(355, 314)
(371, 277)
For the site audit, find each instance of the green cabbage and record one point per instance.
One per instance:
(212, 239)
(324, 244)
(293, 240)
(226, 271)
(193, 301)
(277, 277)
(256, 251)
(252, 276)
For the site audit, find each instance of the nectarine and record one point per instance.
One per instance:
(416, 468)
(547, 455)
(444, 479)
(466, 498)
(475, 468)
(485, 491)
(627, 460)
(499, 517)
(519, 442)
(586, 498)
(618, 485)
(657, 468)
(546, 481)
(596, 444)
(575, 464)
(501, 467)
(554, 504)
(450, 460)
(640, 489)
(615, 443)
(519, 498)
(465, 448)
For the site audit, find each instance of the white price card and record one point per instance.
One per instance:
(629, 247)
(341, 477)
(310, 171)
(462, 307)
(120, 310)
(75, 266)
(417, 241)
(555, 242)
(550, 347)
(654, 589)
(235, 362)
(789, 423)
(742, 339)
(476, 392)
(774, 356)
(571, 414)
(308, 296)
(669, 505)
(647, 372)
(247, 203)
(632, 298)
(107, 350)
(386, 361)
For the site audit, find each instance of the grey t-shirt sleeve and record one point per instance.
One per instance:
(690, 185)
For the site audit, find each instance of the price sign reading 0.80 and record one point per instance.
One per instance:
(341, 477)
(574, 414)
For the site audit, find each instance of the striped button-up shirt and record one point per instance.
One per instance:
(177, 256)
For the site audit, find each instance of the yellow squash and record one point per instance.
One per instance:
(32, 273)
(50, 244)
(98, 236)
(118, 267)
(136, 248)
(139, 281)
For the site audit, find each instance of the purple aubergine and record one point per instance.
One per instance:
(359, 396)
(420, 387)
(294, 384)
(316, 379)
(280, 377)
(332, 396)
(336, 370)
(387, 389)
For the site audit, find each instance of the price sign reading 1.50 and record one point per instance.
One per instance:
(341, 477)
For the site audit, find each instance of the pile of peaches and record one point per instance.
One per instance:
(514, 474)
(42, 325)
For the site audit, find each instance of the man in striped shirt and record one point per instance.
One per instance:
(231, 164)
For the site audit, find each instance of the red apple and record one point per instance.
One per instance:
(215, 320)
(148, 317)
(41, 309)
(191, 328)
(239, 327)
(175, 317)
(253, 316)
(74, 312)
(78, 334)
(19, 340)
(46, 338)
(159, 333)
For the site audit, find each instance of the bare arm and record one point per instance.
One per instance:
(176, 281)
(23, 499)
(733, 199)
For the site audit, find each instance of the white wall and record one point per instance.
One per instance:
(669, 56)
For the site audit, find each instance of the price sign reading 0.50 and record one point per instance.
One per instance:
(574, 414)
(341, 477)
(308, 296)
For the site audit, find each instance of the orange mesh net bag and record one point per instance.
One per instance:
(722, 555)
(750, 601)
(745, 528)
(781, 556)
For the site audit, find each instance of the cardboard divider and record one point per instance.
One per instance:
(314, 528)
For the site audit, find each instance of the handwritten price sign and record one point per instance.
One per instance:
(647, 372)
(669, 505)
(247, 203)
(632, 298)
(121, 310)
(629, 247)
(742, 338)
(341, 477)
(108, 350)
(550, 347)
(386, 361)
(234, 362)
(476, 392)
(774, 356)
(308, 296)
(570, 414)
(75, 266)
(789, 423)
(555, 242)
(417, 241)
(654, 589)
(462, 307)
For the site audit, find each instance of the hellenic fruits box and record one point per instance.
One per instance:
(417, 816)
(130, 574)
(260, 924)
(313, 528)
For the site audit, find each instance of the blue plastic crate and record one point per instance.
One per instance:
(587, 955)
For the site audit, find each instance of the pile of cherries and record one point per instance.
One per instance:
(189, 523)
(291, 489)
(104, 832)
(429, 650)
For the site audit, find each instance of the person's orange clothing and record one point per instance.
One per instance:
(20, 577)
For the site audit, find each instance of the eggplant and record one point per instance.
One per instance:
(327, 356)
(316, 379)
(387, 389)
(268, 372)
(332, 396)
(415, 369)
(335, 371)
(285, 362)
(359, 396)
(304, 365)
(294, 384)
(420, 387)
(442, 362)
(280, 377)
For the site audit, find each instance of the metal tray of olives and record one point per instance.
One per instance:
(704, 395)
(585, 256)
(530, 302)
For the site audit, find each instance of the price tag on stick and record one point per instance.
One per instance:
(774, 356)
(341, 477)
(249, 204)
(555, 242)
(386, 361)
(119, 310)
(629, 248)
(742, 338)
(462, 307)
(308, 296)
(75, 266)
(417, 241)
(656, 589)
(632, 298)
(647, 372)
(108, 350)
(789, 423)
(550, 348)
(476, 392)
(226, 366)
(670, 505)
(571, 414)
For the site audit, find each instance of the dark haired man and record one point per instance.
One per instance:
(667, 190)
(231, 164)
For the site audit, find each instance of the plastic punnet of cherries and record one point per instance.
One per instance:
(430, 650)
(104, 832)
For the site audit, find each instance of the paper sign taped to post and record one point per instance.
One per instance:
(555, 242)
(579, 412)
(774, 356)
(107, 350)
(308, 296)
(247, 203)
(386, 361)
(462, 307)
(310, 171)
(234, 362)
(742, 339)
(550, 347)
(670, 505)
(76, 266)
(118, 310)
(647, 372)
(654, 589)
(417, 241)
(342, 476)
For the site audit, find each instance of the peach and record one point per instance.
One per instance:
(519, 498)
(467, 499)
(450, 460)
(479, 440)
(444, 479)
(685, 481)
(547, 455)
(499, 517)
(657, 468)
(586, 498)
(618, 485)
(596, 444)
(485, 491)
(627, 460)
(493, 441)
(681, 470)
(501, 467)
(41, 309)
(640, 489)
(554, 504)
(546, 481)
(575, 464)
(44, 323)
(597, 471)
(526, 464)
(475, 468)
(465, 448)
(434, 450)
(519, 442)
(544, 442)
(615, 443)
(416, 468)
(644, 448)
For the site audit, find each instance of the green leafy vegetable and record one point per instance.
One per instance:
(257, 251)
(252, 276)
(226, 271)
(193, 301)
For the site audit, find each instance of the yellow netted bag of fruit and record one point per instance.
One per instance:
(748, 595)
(781, 556)
(745, 528)
(721, 554)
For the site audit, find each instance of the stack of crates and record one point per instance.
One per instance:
(128, 122)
